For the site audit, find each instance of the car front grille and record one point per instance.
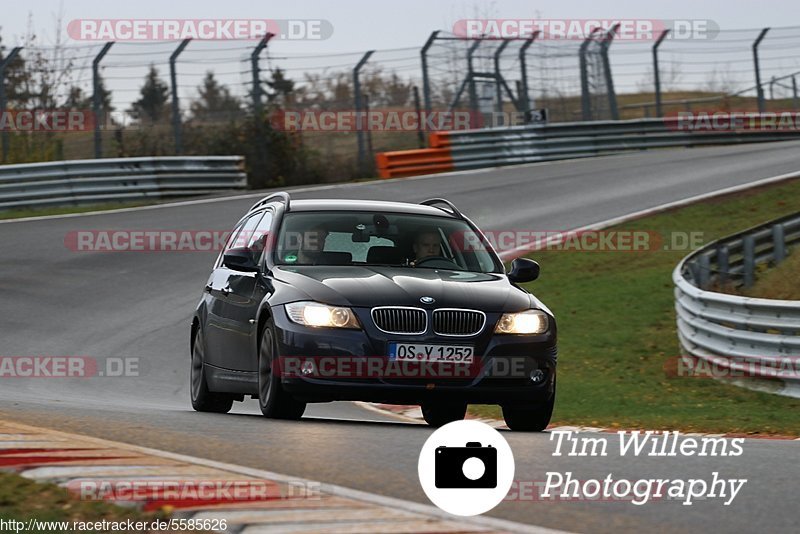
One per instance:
(400, 320)
(458, 322)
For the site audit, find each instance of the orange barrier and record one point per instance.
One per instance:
(439, 139)
(402, 163)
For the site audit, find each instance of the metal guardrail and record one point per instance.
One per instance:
(494, 147)
(119, 179)
(755, 341)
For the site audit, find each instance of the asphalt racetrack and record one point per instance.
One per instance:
(56, 301)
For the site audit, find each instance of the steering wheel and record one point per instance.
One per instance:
(448, 261)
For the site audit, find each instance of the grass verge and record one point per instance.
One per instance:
(63, 210)
(779, 282)
(22, 500)
(617, 333)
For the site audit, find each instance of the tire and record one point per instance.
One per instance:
(439, 414)
(204, 400)
(530, 419)
(274, 402)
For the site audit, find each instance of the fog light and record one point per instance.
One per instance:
(308, 368)
(537, 376)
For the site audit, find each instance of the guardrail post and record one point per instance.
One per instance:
(359, 116)
(723, 264)
(176, 109)
(524, 91)
(586, 102)
(656, 75)
(99, 115)
(778, 243)
(3, 64)
(749, 259)
(426, 84)
(704, 271)
(612, 96)
(759, 89)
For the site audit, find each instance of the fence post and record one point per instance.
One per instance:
(586, 103)
(759, 89)
(794, 93)
(3, 64)
(420, 121)
(359, 117)
(498, 79)
(99, 115)
(176, 109)
(656, 75)
(257, 104)
(473, 94)
(426, 83)
(612, 96)
(524, 95)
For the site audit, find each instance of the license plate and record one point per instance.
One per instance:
(420, 352)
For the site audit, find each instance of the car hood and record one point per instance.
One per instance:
(370, 286)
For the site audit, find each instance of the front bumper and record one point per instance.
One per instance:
(344, 365)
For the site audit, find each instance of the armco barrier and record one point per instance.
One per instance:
(495, 147)
(413, 162)
(118, 179)
(740, 337)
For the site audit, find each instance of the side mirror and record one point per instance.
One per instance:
(240, 259)
(523, 270)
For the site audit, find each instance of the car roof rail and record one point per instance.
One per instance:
(280, 195)
(434, 201)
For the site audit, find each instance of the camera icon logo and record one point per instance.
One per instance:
(472, 466)
(466, 468)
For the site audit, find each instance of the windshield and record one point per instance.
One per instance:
(374, 238)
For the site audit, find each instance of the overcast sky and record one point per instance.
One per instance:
(360, 24)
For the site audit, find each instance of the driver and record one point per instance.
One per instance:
(427, 244)
(312, 246)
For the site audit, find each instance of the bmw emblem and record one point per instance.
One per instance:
(427, 300)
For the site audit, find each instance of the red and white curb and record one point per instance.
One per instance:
(73, 461)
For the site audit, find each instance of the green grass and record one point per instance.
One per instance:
(62, 210)
(617, 332)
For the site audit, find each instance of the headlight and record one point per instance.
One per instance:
(321, 315)
(527, 322)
